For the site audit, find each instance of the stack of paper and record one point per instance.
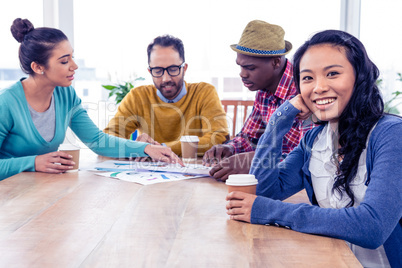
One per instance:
(150, 172)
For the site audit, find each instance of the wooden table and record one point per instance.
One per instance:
(84, 220)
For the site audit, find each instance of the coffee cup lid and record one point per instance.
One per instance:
(241, 180)
(68, 146)
(189, 139)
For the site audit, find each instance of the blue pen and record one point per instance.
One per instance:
(134, 135)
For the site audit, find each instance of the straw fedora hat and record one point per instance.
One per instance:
(262, 39)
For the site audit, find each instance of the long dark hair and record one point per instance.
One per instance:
(362, 112)
(37, 44)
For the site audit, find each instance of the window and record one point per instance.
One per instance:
(380, 32)
(114, 35)
(10, 70)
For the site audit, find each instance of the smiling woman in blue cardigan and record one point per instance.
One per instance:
(350, 165)
(36, 111)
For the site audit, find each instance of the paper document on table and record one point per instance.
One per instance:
(118, 165)
(146, 178)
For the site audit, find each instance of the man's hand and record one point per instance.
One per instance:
(239, 205)
(144, 137)
(162, 153)
(55, 162)
(235, 164)
(216, 154)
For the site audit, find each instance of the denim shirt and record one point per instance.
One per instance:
(182, 93)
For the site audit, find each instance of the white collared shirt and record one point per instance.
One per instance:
(323, 169)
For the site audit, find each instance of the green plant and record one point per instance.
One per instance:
(390, 106)
(120, 90)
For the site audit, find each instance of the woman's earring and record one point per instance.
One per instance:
(42, 72)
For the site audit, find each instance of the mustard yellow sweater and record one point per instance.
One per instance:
(198, 113)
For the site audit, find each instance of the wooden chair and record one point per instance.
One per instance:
(237, 103)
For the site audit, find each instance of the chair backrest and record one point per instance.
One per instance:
(244, 104)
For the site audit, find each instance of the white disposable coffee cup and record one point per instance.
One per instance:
(242, 182)
(189, 147)
(74, 151)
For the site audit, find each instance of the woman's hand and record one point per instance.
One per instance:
(239, 205)
(162, 153)
(55, 162)
(299, 104)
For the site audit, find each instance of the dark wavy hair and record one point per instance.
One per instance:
(36, 43)
(362, 112)
(167, 41)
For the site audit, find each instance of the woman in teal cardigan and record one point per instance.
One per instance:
(36, 111)
(350, 165)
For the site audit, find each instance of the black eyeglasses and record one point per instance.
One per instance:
(172, 70)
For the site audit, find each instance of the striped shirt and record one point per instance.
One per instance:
(265, 105)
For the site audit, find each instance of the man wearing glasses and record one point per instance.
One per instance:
(171, 108)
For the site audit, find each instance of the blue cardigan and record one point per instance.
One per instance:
(375, 222)
(20, 141)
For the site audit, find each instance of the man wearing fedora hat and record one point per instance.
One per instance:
(263, 68)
